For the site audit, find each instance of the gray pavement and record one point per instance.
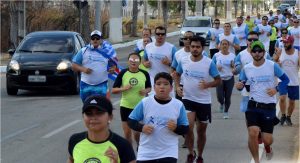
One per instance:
(36, 126)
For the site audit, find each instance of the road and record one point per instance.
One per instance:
(36, 127)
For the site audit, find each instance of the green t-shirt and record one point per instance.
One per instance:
(138, 80)
(273, 36)
(250, 25)
(84, 150)
(142, 67)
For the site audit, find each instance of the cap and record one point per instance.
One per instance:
(257, 44)
(96, 32)
(248, 16)
(288, 39)
(99, 102)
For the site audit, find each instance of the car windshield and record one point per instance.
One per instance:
(196, 23)
(48, 44)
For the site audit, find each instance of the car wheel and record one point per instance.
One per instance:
(75, 87)
(11, 90)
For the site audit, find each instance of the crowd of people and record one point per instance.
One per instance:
(165, 92)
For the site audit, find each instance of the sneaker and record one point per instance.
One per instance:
(259, 138)
(191, 158)
(288, 121)
(269, 152)
(199, 160)
(282, 119)
(226, 116)
(221, 108)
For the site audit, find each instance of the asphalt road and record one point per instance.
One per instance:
(36, 126)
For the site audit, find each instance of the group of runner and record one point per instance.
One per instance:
(166, 92)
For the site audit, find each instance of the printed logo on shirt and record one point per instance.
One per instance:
(288, 63)
(133, 81)
(92, 160)
(194, 74)
(156, 56)
(257, 79)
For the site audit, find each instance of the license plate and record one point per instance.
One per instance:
(36, 78)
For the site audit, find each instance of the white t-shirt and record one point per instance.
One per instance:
(225, 62)
(241, 31)
(194, 72)
(295, 32)
(290, 65)
(214, 32)
(264, 38)
(231, 38)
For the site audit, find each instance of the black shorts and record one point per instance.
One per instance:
(160, 160)
(265, 121)
(203, 111)
(125, 112)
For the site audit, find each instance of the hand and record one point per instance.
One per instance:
(143, 92)
(165, 61)
(127, 87)
(262, 31)
(179, 91)
(219, 67)
(174, 75)
(203, 84)
(112, 155)
(147, 129)
(171, 125)
(111, 70)
(87, 70)
(268, 34)
(239, 85)
(271, 91)
(147, 64)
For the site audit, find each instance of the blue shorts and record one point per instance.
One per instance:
(297, 47)
(292, 91)
(87, 90)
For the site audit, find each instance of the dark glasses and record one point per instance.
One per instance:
(95, 38)
(160, 34)
(257, 50)
(252, 39)
(187, 38)
(296, 22)
(284, 33)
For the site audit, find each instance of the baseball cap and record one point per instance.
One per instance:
(96, 32)
(99, 102)
(257, 44)
(248, 16)
(288, 39)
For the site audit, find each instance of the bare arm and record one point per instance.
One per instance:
(79, 68)
(70, 160)
(277, 55)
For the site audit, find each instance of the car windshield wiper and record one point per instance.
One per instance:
(24, 50)
(48, 51)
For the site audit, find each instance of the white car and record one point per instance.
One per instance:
(197, 24)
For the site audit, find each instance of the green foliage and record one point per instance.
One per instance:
(152, 4)
(192, 5)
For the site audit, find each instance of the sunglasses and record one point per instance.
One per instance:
(252, 39)
(296, 22)
(134, 60)
(160, 34)
(284, 33)
(187, 38)
(95, 38)
(257, 50)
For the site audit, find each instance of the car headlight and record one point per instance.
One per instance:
(63, 65)
(14, 65)
(182, 32)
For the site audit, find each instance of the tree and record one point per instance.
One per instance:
(192, 5)
(165, 13)
(153, 5)
(13, 24)
(134, 18)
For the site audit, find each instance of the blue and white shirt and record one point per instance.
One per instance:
(264, 38)
(231, 38)
(241, 33)
(214, 32)
(295, 32)
(225, 61)
(192, 73)
(260, 79)
(92, 58)
(161, 142)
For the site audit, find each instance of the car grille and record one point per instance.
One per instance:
(40, 72)
(200, 33)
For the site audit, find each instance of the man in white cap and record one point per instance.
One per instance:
(95, 61)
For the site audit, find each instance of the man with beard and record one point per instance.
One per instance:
(295, 31)
(196, 71)
(212, 34)
(288, 58)
(261, 111)
(265, 32)
(233, 40)
(241, 31)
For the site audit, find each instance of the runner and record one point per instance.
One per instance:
(241, 31)
(161, 119)
(212, 34)
(134, 84)
(233, 40)
(264, 31)
(98, 143)
(146, 33)
(196, 71)
(295, 32)
(225, 64)
(289, 60)
(261, 111)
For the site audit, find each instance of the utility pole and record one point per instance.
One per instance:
(145, 14)
(228, 10)
(24, 9)
(115, 21)
(98, 15)
(186, 8)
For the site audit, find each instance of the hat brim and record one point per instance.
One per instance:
(90, 106)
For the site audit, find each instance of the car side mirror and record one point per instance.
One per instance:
(179, 26)
(11, 52)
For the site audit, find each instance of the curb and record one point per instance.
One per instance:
(115, 46)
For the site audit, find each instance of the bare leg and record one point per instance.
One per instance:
(189, 137)
(253, 132)
(127, 132)
(201, 132)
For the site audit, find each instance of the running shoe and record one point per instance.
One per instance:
(221, 108)
(191, 158)
(288, 121)
(199, 160)
(269, 152)
(226, 116)
(282, 119)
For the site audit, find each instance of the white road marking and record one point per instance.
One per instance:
(18, 132)
(60, 129)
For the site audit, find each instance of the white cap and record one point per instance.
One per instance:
(96, 32)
